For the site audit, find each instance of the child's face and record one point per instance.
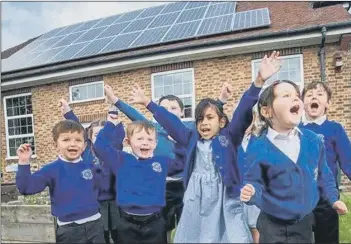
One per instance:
(142, 143)
(210, 125)
(95, 132)
(316, 102)
(71, 145)
(172, 107)
(287, 108)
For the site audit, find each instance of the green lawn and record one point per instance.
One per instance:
(345, 222)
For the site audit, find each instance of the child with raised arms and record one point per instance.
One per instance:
(288, 173)
(72, 184)
(106, 191)
(212, 210)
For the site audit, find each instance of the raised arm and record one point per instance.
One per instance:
(67, 111)
(170, 122)
(128, 110)
(26, 182)
(104, 149)
(343, 151)
(177, 164)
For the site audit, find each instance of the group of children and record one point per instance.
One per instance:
(263, 176)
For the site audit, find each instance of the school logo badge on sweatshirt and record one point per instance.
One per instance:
(223, 140)
(156, 167)
(87, 174)
(315, 174)
(321, 137)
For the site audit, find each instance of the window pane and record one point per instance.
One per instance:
(294, 64)
(178, 90)
(187, 88)
(15, 143)
(294, 76)
(158, 80)
(285, 65)
(158, 92)
(177, 79)
(167, 80)
(284, 75)
(187, 77)
(168, 90)
(87, 92)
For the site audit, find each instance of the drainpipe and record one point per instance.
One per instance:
(322, 54)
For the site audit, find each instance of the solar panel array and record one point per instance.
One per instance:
(160, 24)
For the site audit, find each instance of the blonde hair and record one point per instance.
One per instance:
(137, 126)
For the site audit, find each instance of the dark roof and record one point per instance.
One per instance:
(286, 18)
(12, 50)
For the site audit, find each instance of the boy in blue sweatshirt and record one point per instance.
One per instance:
(165, 147)
(288, 171)
(72, 184)
(140, 181)
(106, 191)
(316, 97)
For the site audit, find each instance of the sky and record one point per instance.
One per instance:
(21, 21)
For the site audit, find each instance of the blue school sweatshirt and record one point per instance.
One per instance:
(337, 144)
(106, 190)
(243, 162)
(141, 183)
(224, 145)
(288, 190)
(164, 146)
(72, 187)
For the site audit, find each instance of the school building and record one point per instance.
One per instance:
(187, 48)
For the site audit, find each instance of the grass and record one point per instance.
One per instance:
(345, 222)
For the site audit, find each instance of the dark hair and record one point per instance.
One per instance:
(206, 103)
(94, 124)
(314, 85)
(137, 126)
(172, 98)
(65, 126)
(267, 98)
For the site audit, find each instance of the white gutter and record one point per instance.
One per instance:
(301, 40)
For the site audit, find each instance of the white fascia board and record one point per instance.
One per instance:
(199, 53)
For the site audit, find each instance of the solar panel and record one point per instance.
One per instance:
(139, 24)
(251, 19)
(164, 20)
(108, 21)
(68, 52)
(196, 4)
(174, 7)
(68, 39)
(216, 25)
(121, 42)
(114, 30)
(180, 31)
(94, 47)
(90, 34)
(151, 12)
(192, 14)
(220, 9)
(151, 36)
(160, 24)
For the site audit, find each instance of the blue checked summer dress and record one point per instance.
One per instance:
(209, 214)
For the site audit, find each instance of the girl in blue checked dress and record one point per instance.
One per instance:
(212, 210)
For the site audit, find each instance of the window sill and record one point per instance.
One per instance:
(87, 102)
(16, 158)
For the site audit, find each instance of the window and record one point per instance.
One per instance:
(292, 69)
(18, 122)
(87, 92)
(179, 83)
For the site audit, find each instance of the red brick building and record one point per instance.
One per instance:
(193, 69)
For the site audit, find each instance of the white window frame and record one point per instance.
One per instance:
(85, 100)
(302, 83)
(8, 137)
(181, 96)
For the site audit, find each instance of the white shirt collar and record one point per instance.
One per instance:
(273, 134)
(317, 121)
(74, 161)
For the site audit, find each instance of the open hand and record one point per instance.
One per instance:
(340, 207)
(225, 92)
(64, 106)
(138, 96)
(110, 94)
(247, 192)
(24, 152)
(269, 66)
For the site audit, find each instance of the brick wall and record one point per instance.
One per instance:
(209, 75)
